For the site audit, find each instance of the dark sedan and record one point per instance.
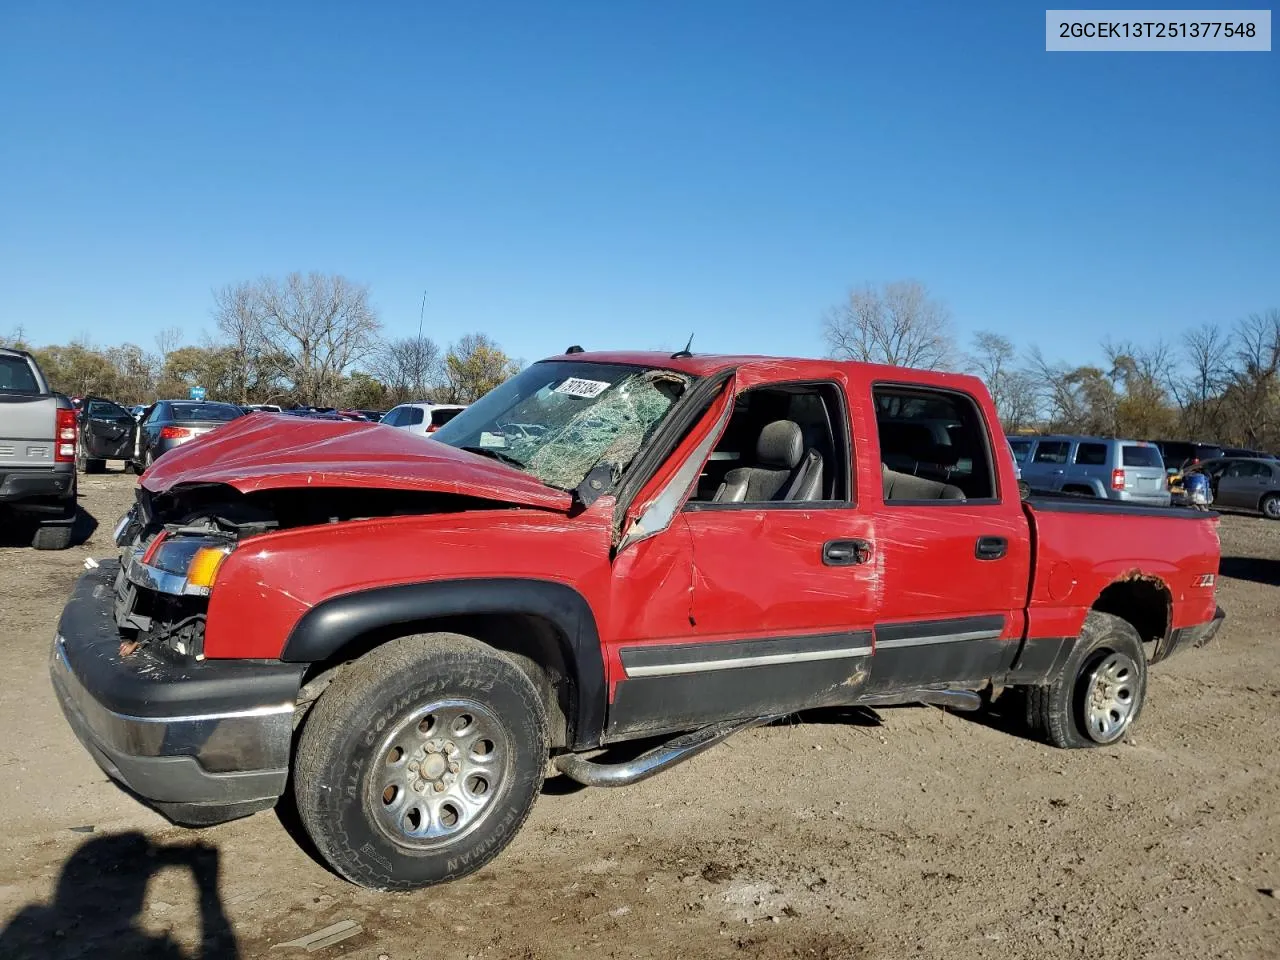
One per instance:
(171, 423)
(1247, 483)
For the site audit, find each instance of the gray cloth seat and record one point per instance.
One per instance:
(903, 486)
(783, 470)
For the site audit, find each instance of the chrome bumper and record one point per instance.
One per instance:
(201, 741)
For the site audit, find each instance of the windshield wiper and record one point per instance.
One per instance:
(496, 455)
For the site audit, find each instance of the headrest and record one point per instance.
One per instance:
(781, 444)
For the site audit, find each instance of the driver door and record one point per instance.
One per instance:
(108, 431)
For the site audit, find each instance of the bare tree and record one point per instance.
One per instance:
(168, 340)
(410, 368)
(17, 337)
(1255, 390)
(1200, 379)
(311, 328)
(898, 324)
(1012, 390)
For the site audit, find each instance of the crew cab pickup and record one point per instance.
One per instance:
(405, 632)
(37, 453)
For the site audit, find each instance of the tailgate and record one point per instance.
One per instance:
(1143, 468)
(27, 427)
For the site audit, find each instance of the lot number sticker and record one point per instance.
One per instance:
(587, 389)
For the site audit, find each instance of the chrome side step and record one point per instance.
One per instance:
(662, 757)
(955, 699)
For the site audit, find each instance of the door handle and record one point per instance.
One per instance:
(991, 548)
(845, 553)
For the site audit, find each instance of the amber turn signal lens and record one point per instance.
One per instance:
(204, 566)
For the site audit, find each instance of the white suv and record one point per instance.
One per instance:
(421, 418)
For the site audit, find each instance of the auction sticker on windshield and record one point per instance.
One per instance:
(587, 389)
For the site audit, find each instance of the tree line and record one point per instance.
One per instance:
(315, 339)
(301, 340)
(1216, 383)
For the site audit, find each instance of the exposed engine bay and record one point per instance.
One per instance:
(170, 543)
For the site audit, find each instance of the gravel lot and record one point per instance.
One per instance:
(924, 834)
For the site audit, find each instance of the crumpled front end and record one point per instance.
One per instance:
(200, 741)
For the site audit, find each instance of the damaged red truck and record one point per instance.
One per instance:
(403, 634)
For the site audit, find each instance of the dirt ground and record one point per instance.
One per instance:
(920, 834)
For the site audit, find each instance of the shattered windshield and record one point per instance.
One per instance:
(558, 420)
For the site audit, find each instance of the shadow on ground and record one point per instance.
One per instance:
(97, 906)
(17, 531)
(1254, 569)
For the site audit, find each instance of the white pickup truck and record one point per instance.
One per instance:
(37, 453)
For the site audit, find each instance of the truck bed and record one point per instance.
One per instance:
(1051, 501)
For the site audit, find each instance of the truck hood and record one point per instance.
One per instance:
(271, 451)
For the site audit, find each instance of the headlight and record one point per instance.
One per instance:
(194, 560)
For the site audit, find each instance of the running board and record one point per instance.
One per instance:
(955, 699)
(662, 757)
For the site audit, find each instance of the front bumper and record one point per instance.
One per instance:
(199, 741)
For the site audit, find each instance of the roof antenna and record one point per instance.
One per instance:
(575, 349)
(681, 354)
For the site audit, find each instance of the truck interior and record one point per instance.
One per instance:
(787, 442)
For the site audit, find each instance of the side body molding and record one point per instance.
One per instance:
(329, 626)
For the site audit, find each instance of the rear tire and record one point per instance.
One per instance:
(1100, 692)
(420, 762)
(51, 537)
(1270, 506)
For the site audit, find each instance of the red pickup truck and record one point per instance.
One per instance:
(404, 632)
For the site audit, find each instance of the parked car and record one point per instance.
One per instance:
(107, 432)
(173, 423)
(138, 410)
(1178, 454)
(1247, 483)
(1128, 470)
(421, 418)
(675, 555)
(263, 408)
(37, 453)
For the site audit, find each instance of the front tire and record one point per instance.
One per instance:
(420, 762)
(1100, 692)
(1270, 506)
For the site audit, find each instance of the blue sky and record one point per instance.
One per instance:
(620, 174)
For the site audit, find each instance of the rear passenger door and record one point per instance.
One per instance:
(952, 573)
(1091, 467)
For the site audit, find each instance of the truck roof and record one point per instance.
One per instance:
(802, 368)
